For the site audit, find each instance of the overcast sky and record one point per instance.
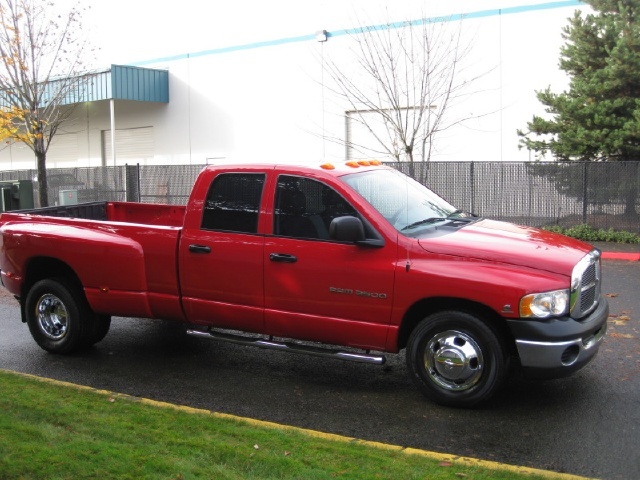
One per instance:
(130, 31)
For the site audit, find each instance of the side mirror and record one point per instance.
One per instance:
(347, 229)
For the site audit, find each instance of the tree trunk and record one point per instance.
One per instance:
(43, 188)
(412, 169)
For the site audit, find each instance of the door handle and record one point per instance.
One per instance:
(199, 248)
(283, 258)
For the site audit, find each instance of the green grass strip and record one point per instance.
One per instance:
(56, 431)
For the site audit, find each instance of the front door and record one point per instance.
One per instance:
(320, 289)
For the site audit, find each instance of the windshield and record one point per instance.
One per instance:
(405, 203)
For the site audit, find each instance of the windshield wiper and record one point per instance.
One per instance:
(464, 217)
(424, 222)
(461, 214)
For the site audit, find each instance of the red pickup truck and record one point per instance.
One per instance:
(347, 261)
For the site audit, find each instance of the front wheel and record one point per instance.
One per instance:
(456, 359)
(59, 317)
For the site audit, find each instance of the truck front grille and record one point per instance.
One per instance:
(585, 285)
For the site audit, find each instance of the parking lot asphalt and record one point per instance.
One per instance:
(587, 424)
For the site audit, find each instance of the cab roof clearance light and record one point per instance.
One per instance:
(353, 164)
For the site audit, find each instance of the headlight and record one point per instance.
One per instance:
(543, 305)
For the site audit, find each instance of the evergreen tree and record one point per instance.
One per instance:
(598, 118)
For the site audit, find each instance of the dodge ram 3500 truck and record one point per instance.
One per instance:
(348, 261)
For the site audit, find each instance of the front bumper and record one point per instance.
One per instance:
(559, 347)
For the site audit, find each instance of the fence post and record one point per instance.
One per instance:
(132, 183)
(585, 194)
(472, 200)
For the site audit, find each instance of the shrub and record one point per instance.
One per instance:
(590, 234)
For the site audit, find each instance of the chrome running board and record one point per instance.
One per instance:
(289, 347)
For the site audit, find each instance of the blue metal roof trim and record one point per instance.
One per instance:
(120, 82)
(139, 84)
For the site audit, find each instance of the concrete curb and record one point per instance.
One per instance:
(632, 257)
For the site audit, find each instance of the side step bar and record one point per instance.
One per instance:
(289, 347)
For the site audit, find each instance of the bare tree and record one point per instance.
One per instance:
(41, 57)
(399, 89)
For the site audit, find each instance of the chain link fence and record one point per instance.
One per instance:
(134, 183)
(600, 194)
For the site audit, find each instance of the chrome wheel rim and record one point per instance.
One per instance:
(453, 360)
(52, 316)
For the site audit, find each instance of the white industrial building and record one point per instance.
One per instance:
(246, 81)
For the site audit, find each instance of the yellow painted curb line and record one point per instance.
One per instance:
(441, 457)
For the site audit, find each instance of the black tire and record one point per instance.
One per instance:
(59, 317)
(456, 359)
(101, 326)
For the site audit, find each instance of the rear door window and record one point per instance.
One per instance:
(233, 202)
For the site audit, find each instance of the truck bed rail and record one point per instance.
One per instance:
(88, 211)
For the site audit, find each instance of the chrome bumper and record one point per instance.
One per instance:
(559, 354)
(560, 347)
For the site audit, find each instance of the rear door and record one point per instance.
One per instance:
(317, 288)
(222, 254)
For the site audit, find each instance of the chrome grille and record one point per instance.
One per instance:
(585, 285)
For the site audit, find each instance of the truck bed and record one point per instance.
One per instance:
(128, 261)
(129, 212)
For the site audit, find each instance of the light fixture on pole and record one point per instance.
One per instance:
(322, 36)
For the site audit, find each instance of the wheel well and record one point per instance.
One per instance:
(40, 268)
(429, 306)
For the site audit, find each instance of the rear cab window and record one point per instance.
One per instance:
(233, 202)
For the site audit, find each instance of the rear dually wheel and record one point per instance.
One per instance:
(60, 319)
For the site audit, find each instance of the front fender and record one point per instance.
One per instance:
(446, 282)
(498, 286)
